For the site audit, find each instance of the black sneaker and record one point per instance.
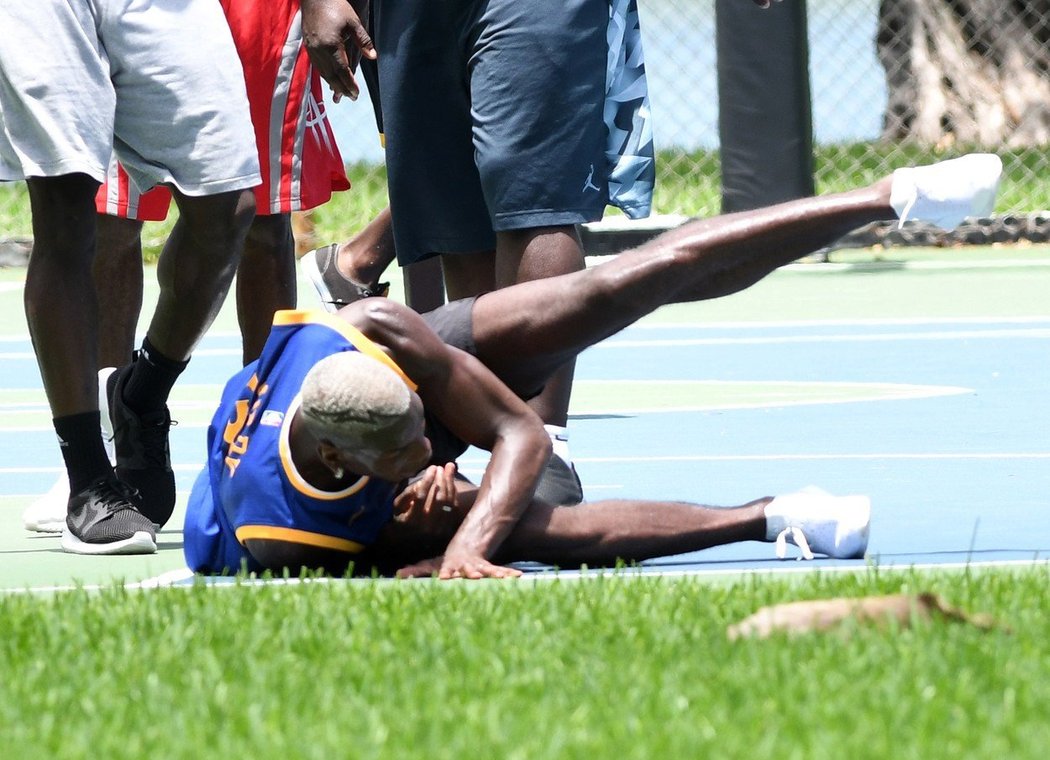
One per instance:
(143, 454)
(559, 484)
(102, 519)
(335, 290)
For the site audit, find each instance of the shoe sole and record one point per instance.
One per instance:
(308, 263)
(139, 543)
(44, 526)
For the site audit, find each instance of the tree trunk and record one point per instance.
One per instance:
(975, 72)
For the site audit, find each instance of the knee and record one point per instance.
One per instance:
(271, 233)
(218, 221)
(63, 211)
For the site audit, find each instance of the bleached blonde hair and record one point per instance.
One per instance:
(349, 398)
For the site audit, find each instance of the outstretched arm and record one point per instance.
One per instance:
(335, 35)
(477, 407)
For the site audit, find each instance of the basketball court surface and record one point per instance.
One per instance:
(918, 379)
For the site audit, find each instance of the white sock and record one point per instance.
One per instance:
(560, 441)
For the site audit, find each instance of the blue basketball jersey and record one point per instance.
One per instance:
(250, 487)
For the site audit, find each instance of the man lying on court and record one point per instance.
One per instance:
(313, 447)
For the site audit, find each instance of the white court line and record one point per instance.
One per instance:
(920, 456)
(478, 464)
(178, 578)
(829, 338)
(863, 322)
(29, 355)
(698, 325)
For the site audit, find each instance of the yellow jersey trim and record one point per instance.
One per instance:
(356, 338)
(292, 535)
(299, 483)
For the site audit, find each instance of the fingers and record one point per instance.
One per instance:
(471, 569)
(362, 42)
(344, 77)
(476, 569)
(407, 503)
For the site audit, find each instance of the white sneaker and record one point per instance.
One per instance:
(819, 523)
(48, 513)
(103, 408)
(948, 192)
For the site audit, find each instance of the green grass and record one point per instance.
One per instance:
(610, 667)
(687, 183)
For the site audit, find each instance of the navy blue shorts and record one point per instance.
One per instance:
(493, 118)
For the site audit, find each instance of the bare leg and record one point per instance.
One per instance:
(196, 268)
(536, 254)
(424, 288)
(469, 274)
(600, 533)
(524, 333)
(364, 257)
(60, 302)
(119, 284)
(265, 280)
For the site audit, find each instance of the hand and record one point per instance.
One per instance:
(447, 567)
(335, 39)
(428, 503)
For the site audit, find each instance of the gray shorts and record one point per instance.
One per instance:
(493, 118)
(454, 324)
(157, 82)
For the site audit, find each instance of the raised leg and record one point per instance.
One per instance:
(524, 333)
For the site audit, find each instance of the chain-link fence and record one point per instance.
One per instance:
(893, 82)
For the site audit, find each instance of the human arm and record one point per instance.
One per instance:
(478, 408)
(335, 36)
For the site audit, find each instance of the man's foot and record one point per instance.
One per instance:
(48, 513)
(102, 519)
(948, 192)
(559, 484)
(335, 290)
(143, 454)
(819, 523)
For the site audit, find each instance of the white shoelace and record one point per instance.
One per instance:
(798, 538)
(906, 212)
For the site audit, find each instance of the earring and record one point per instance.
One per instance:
(338, 472)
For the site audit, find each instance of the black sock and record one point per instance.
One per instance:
(80, 440)
(152, 377)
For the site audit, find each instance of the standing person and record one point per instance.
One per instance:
(160, 85)
(311, 450)
(300, 166)
(506, 126)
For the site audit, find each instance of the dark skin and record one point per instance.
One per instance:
(195, 269)
(265, 283)
(523, 334)
(335, 35)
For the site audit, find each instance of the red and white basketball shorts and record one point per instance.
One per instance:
(300, 162)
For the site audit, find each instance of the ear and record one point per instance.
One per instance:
(331, 456)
